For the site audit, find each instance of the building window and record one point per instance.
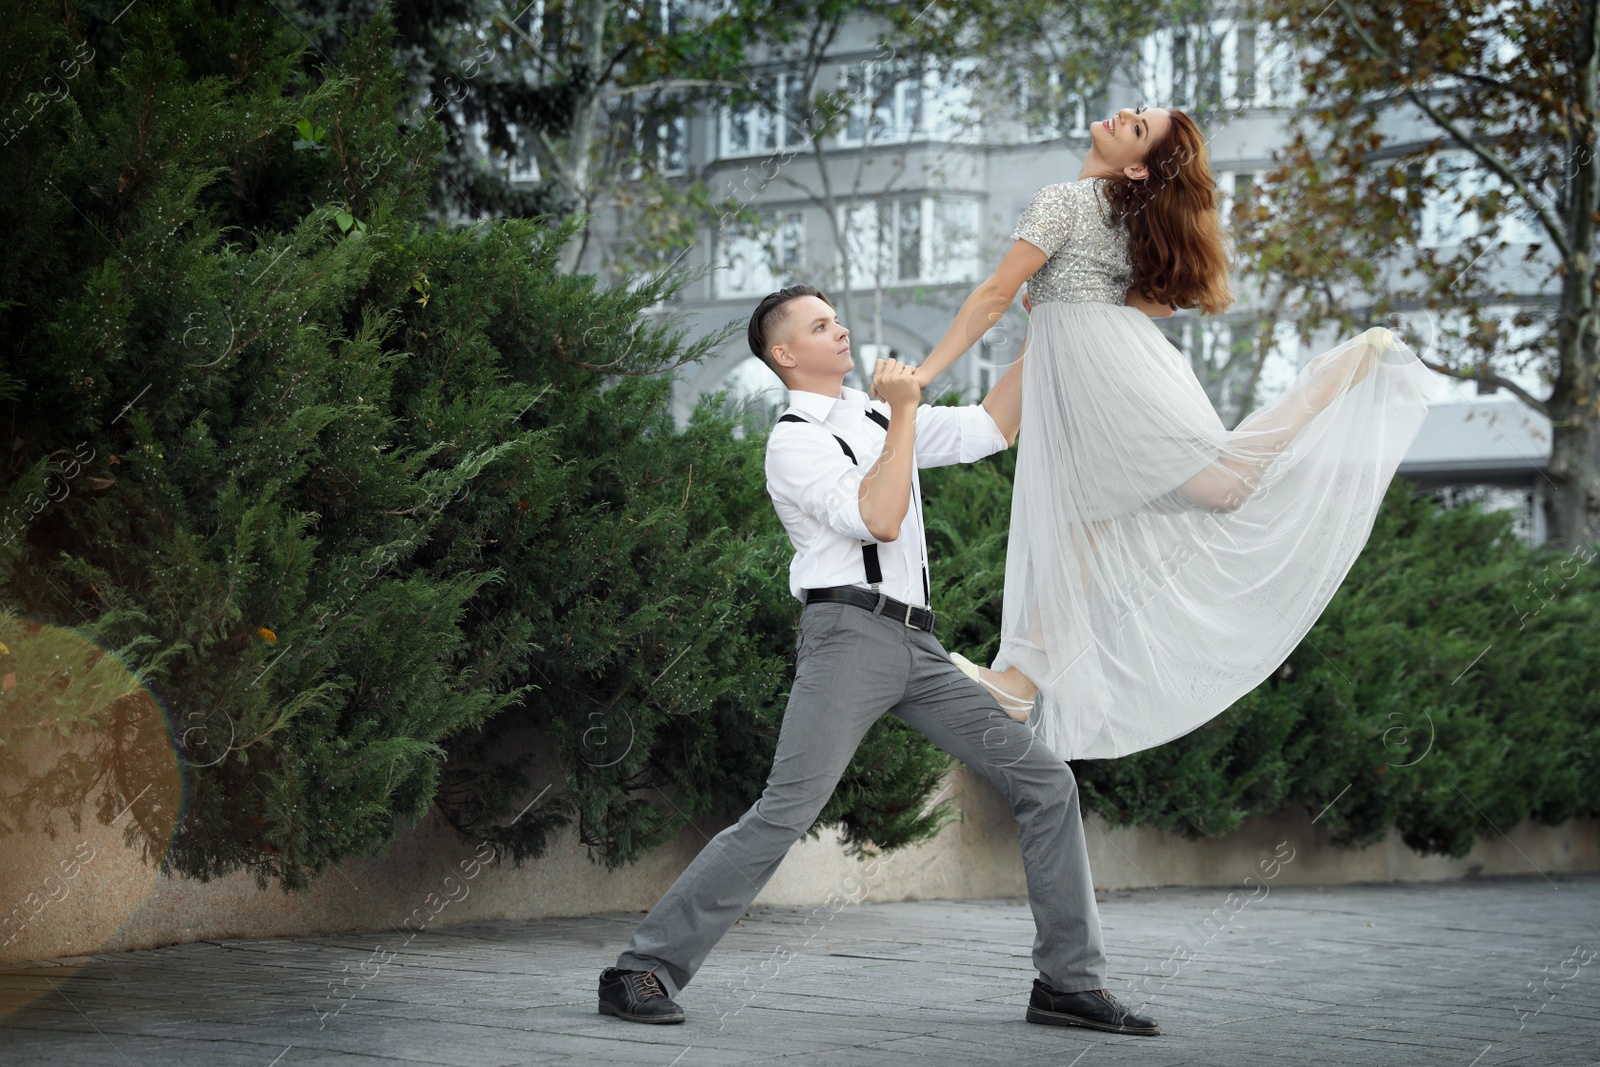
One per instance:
(892, 103)
(876, 98)
(674, 16)
(520, 165)
(1519, 500)
(662, 146)
(767, 124)
(753, 384)
(1520, 335)
(1183, 64)
(1265, 70)
(755, 262)
(1209, 343)
(1244, 60)
(662, 18)
(1224, 356)
(1235, 188)
(1218, 64)
(871, 352)
(1050, 109)
(912, 240)
(1447, 219)
(668, 142)
(1000, 348)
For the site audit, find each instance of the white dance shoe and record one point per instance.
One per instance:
(1376, 341)
(1014, 706)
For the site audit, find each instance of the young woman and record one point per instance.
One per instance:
(1160, 566)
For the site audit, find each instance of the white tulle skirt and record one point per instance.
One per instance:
(1161, 566)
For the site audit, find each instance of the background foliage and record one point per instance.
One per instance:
(1441, 173)
(380, 509)
(1449, 689)
(393, 515)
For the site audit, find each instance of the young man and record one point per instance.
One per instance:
(841, 471)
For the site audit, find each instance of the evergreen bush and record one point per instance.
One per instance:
(367, 502)
(1450, 689)
(381, 510)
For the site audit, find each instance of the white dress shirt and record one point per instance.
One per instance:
(816, 489)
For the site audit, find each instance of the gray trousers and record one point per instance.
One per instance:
(852, 665)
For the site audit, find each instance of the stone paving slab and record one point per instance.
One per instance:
(1405, 974)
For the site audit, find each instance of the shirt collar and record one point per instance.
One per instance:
(819, 405)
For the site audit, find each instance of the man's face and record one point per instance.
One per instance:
(811, 342)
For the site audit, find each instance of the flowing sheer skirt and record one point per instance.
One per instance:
(1161, 566)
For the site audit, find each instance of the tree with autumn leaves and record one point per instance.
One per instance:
(1482, 114)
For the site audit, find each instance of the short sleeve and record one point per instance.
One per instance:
(807, 469)
(1054, 215)
(961, 434)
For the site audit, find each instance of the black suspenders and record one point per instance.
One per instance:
(869, 549)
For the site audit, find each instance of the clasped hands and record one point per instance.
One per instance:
(899, 384)
(889, 370)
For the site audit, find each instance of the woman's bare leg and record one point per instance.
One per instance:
(1229, 480)
(1011, 680)
(1015, 683)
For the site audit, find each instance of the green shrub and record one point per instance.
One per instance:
(377, 508)
(1450, 689)
(380, 510)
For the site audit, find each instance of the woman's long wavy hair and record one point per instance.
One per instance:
(1180, 256)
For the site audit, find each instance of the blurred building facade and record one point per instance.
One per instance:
(911, 202)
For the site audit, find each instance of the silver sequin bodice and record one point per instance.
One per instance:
(1089, 261)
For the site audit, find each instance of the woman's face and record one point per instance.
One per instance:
(1124, 139)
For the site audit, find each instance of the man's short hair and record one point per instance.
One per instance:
(769, 313)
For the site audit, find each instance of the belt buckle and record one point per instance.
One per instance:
(908, 618)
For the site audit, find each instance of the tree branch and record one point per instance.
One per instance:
(552, 159)
(1264, 344)
(1490, 378)
(536, 53)
(1379, 104)
(1551, 224)
(676, 83)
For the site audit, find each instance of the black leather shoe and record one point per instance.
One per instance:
(1095, 1008)
(636, 996)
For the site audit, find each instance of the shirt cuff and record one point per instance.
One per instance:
(980, 434)
(842, 505)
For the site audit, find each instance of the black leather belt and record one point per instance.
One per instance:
(913, 616)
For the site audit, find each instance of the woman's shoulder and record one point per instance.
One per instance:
(1096, 193)
(1088, 184)
(1059, 210)
(1076, 187)
(1074, 194)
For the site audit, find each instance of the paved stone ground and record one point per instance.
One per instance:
(1377, 974)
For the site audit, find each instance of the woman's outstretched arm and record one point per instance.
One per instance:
(1004, 402)
(983, 308)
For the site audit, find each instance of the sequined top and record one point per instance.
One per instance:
(1089, 260)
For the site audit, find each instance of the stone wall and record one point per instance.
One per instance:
(113, 901)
